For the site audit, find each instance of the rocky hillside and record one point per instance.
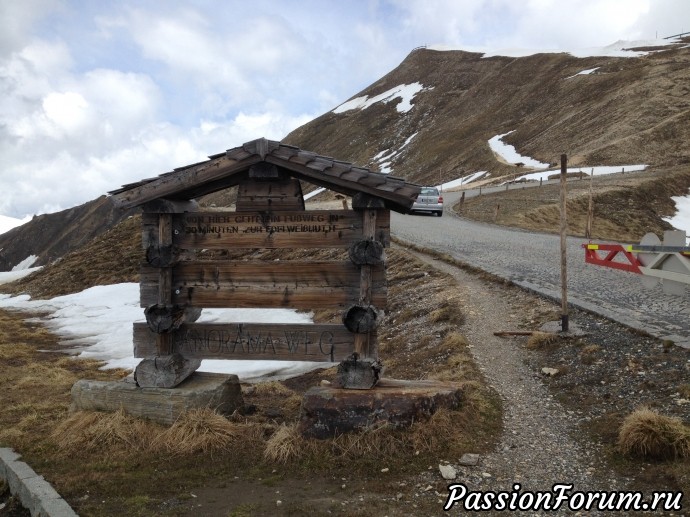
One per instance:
(627, 111)
(50, 236)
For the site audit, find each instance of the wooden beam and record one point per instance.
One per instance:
(255, 195)
(290, 229)
(349, 183)
(299, 285)
(169, 206)
(177, 183)
(253, 341)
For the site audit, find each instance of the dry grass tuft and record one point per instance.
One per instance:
(589, 353)
(431, 435)
(92, 431)
(285, 444)
(37, 375)
(455, 341)
(540, 340)
(199, 431)
(377, 442)
(272, 388)
(647, 434)
(450, 311)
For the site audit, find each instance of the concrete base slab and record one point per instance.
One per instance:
(217, 391)
(328, 411)
(555, 327)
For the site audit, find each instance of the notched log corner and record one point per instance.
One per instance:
(360, 319)
(163, 319)
(164, 371)
(162, 256)
(366, 252)
(358, 374)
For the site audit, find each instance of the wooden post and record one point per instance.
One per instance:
(590, 210)
(363, 345)
(165, 238)
(564, 227)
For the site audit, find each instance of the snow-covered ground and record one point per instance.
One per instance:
(681, 219)
(465, 180)
(97, 323)
(406, 92)
(385, 157)
(508, 153)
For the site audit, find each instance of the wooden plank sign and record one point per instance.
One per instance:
(254, 341)
(299, 285)
(291, 229)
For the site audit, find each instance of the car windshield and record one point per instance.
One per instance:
(429, 191)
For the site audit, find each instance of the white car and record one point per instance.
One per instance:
(428, 200)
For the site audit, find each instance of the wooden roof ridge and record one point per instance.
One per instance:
(227, 169)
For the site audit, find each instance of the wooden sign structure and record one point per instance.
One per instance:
(176, 285)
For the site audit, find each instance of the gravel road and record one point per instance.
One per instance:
(532, 260)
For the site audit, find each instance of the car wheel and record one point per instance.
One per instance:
(439, 213)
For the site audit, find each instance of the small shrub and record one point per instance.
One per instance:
(200, 431)
(647, 434)
(540, 340)
(92, 431)
(449, 311)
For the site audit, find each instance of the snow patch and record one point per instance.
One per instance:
(462, 181)
(385, 157)
(508, 153)
(10, 276)
(26, 263)
(97, 323)
(681, 219)
(406, 92)
(314, 193)
(585, 72)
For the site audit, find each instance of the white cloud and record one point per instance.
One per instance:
(17, 19)
(95, 95)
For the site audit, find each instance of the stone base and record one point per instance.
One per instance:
(328, 411)
(217, 391)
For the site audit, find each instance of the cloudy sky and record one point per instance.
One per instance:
(95, 94)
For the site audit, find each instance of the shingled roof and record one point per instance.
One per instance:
(230, 168)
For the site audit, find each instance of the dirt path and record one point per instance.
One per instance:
(538, 446)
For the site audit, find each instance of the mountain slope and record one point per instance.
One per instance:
(50, 236)
(629, 110)
(626, 111)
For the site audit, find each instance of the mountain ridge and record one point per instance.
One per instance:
(627, 110)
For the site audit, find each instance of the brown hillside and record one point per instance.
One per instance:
(50, 236)
(630, 110)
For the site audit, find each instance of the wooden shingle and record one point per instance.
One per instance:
(227, 169)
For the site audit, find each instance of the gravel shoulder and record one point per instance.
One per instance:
(538, 447)
(563, 428)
